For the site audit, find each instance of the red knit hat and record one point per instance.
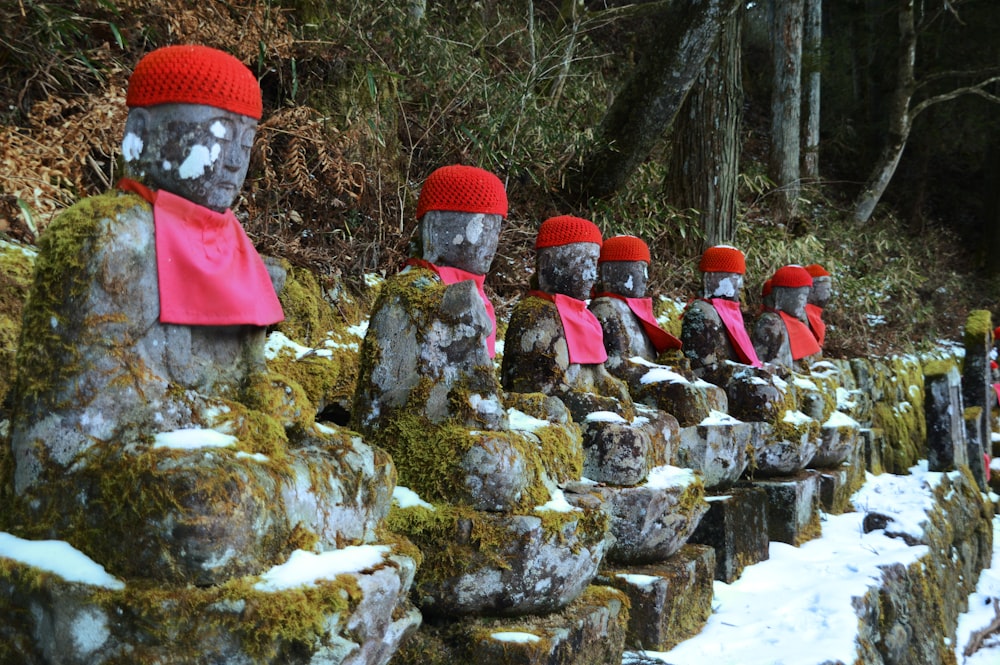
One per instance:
(723, 258)
(816, 270)
(624, 248)
(765, 288)
(459, 188)
(192, 74)
(565, 230)
(791, 276)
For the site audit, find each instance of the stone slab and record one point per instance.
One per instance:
(670, 601)
(589, 631)
(792, 507)
(735, 526)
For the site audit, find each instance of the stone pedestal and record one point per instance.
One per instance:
(943, 409)
(717, 447)
(873, 445)
(735, 526)
(668, 601)
(589, 631)
(792, 507)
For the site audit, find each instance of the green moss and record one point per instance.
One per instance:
(16, 267)
(978, 329)
(939, 367)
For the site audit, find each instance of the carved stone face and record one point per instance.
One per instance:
(626, 278)
(463, 240)
(568, 269)
(198, 152)
(727, 285)
(821, 292)
(791, 300)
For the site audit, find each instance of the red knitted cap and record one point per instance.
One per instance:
(459, 188)
(723, 258)
(565, 230)
(192, 74)
(816, 270)
(624, 248)
(765, 288)
(792, 277)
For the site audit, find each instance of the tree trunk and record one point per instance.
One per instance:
(812, 61)
(786, 103)
(705, 145)
(900, 118)
(646, 107)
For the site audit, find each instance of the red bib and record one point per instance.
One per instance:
(815, 316)
(584, 335)
(731, 315)
(643, 310)
(800, 338)
(209, 272)
(450, 276)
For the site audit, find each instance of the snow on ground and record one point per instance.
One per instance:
(797, 604)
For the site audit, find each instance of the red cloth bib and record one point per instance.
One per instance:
(815, 316)
(584, 335)
(450, 276)
(209, 272)
(800, 338)
(731, 315)
(643, 309)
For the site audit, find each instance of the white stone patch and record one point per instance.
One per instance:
(166, 165)
(218, 130)
(90, 631)
(629, 283)
(131, 147)
(198, 161)
(474, 229)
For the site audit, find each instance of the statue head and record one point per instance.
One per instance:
(193, 113)
(722, 268)
(623, 267)
(822, 288)
(566, 253)
(790, 287)
(460, 211)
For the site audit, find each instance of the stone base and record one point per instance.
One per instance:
(792, 507)
(589, 631)
(669, 601)
(735, 526)
(838, 484)
(873, 443)
(717, 448)
(358, 618)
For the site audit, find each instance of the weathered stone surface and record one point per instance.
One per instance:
(977, 389)
(653, 520)
(668, 601)
(615, 452)
(503, 564)
(911, 614)
(735, 526)
(17, 263)
(664, 431)
(690, 401)
(716, 448)
(357, 618)
(786, 447)
(839, 437)
(624, 337)
(792, 507)
(873, 445)
(756, 396)
(944, 409)
(589, 631)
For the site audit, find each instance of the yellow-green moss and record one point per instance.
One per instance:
(978, 329)
(16, 267)
(939, 366)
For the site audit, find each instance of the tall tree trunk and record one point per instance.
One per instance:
(705, 145)
(900, 118)
(646, 107)
(812, 61)
(786, 103)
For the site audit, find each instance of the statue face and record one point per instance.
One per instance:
(626, 278)
(463, 240)
(726, 285)
(568, 269)
(791, 300)
(198, 152)
(822, 290)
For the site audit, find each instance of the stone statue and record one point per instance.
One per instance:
(782, 335)
(713, 331)
(427, 391)
(625, 312)
(819, 298)
(146, 430)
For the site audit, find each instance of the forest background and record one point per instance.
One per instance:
(863, 135)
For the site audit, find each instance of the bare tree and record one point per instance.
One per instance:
(786, 103)
(812, 56)
(903, 108)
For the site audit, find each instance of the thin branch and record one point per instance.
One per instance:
(957, 92)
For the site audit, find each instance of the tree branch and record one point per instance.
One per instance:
(958, 92)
